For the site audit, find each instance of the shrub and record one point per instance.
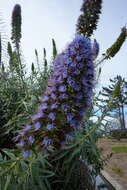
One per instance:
(118, 134)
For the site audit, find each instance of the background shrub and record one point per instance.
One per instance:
(119, 134)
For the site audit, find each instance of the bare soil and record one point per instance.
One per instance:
(118, 160)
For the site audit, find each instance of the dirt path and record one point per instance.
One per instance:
(117, 165)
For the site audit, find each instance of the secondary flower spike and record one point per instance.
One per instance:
(88, 20)
(66, 98)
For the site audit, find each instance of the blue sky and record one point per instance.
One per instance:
(44, 20)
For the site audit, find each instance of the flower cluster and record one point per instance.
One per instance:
(65, 101)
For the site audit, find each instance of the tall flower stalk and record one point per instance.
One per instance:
(16, 40)
(87, 21)
(16, 26)
(66, 98)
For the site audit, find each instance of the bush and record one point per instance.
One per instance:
(119, 134)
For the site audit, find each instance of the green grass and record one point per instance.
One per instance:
(118, 171)
(119, 149)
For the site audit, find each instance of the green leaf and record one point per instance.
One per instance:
(7, 182)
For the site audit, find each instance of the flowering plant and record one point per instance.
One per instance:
(65, 100)
(58, 123)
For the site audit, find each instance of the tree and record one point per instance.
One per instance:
(117, 90)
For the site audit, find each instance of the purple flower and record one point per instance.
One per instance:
(67, 60)
(26, 153)
(21, 134)
(76, 72)
(74, 123)
(70, 116)
(52, 116)
(65, 74)
(50, 127)
(79, 96)
(63, 96)
(83, 51)
(65, 107)
(27, 128)
(86, 90)
(67, 96)
(53, 88)
(48, 91)
(37, 126)
(72, 51)
(71, 81)
(88, 102)
(58, 60)
(77, 87)
(76, 45)
(78, 38)
(89, 72)
(81, 113)
(44, 106)
(56, 73)
(21, 143)
(81, 65)
(16, 138)
(47, 141)
(45, 98)
(62, 88)
(67, 52)
(54, 106)
(78, 58)
(85, 81)
(79, 104)
(73, 66)
(60, 80)
(53, 96)
(38, 116)
(89, 64)
(52, 82)
(31, 140)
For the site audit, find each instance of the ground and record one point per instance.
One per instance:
(117, 164)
